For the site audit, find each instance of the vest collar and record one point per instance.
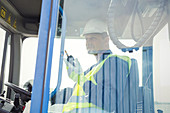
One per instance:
(102, 55)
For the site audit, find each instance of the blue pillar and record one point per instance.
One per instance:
(147, 70)
(40, 93)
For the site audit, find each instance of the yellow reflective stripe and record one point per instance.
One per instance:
(81, 79)
(78, 91)
(67, 67)
(73, 105)
(95, 69)
(73, 76)
(125, 58)
(89, 76)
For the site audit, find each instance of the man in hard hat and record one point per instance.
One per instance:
(97, 43)
(104, 85)
(97, 39)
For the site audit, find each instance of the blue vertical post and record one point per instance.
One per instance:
(50, 54)
(147, 70)
(41, 62)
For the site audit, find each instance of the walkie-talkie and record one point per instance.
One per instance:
(70, 58)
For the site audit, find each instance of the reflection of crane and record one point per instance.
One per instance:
(116, 31)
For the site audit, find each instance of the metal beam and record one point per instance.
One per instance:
(54, 16)
(15, 57)
(3, 62)
(147, 72)
(40, 83)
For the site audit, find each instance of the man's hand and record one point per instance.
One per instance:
(74, 68)
(70, 59)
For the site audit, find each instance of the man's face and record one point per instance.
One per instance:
(96, 42)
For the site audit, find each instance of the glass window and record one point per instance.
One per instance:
(96, 75)
(111, 63)
(2, 41)
(77, 48)
(7, 62)
(28, 59)
(4, 52)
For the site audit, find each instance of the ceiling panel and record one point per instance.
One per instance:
(28, 8)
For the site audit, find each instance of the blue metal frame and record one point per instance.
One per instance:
(50, 54)
(147, 72)
(40, 93)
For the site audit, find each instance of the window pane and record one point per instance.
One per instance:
(96, 75)
(7, 62)
(2, 41)
(4, 52)
(28, 60)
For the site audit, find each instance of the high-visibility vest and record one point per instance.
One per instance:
(78, 90)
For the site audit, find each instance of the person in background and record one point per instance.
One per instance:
(105, 85)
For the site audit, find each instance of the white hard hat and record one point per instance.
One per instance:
(94, 26)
